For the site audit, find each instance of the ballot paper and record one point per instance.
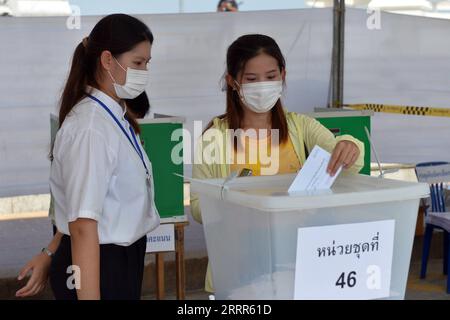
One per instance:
(313, 176)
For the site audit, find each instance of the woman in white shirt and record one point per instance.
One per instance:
(101, 178)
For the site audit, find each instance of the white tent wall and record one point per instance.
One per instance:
(403, 63)
(406, 62)
(188, 61)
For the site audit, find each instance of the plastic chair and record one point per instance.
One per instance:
(437, 218)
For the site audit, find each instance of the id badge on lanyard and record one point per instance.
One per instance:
(135, 145)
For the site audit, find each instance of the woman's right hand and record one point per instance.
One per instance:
(39, 267)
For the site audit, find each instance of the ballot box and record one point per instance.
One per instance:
(353, 241)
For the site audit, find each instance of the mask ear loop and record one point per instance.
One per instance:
(109, 72)
(119, 64)
(238, 86)
(112, 78)
(239, 92)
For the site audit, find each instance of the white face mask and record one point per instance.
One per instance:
(135, 84)
(261, 97)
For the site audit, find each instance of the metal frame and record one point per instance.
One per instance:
(337, 76)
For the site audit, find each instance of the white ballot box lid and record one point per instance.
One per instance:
(269, 193)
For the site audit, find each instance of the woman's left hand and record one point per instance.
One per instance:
(39, 267)
(344, 154)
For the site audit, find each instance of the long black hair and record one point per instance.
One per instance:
(139, 106)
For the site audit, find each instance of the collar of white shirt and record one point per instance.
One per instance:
(112, 104)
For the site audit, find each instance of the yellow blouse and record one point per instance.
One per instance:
(279, 159)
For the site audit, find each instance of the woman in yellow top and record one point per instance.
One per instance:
(256, 72)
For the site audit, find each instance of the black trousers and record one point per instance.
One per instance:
(121, 271)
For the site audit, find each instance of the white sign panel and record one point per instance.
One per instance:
(340, 262)
(161, 239)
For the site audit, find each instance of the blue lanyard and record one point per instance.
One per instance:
(135, 144)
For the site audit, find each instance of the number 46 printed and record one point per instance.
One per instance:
(350, 279)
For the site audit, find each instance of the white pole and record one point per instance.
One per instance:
(181, 5)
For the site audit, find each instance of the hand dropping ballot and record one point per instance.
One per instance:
(313, 175)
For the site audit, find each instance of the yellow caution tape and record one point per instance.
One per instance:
(407, 110)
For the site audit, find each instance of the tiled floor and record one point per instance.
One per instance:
(433, 287)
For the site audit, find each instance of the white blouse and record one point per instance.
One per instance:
(97, 174)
